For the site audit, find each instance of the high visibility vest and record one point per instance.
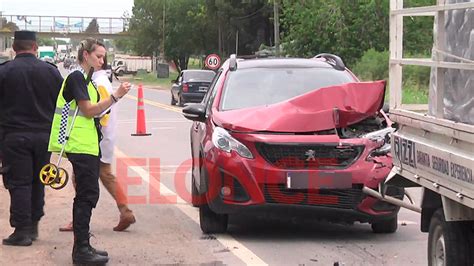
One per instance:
(83, 138)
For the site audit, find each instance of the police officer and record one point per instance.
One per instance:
(28, 92)
(82, 146)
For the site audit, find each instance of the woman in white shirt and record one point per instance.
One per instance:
(107, 145)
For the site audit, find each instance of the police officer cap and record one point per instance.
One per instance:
(25, 35)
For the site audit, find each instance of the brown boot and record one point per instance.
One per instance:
(126, 219)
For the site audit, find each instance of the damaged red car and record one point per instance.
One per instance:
(293, 133)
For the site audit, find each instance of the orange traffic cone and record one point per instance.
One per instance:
(141, 127)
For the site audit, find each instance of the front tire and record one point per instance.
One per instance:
(386, 226)
(211, 222)
(448, 242)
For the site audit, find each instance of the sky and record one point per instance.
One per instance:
(83, 8)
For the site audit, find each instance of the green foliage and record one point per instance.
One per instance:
(124, 44)
(45, 42)
(8, 26)
(93, 26)
(151, 79)
(346, 28)
(199, 27)
(349, 28)
(372, 65)
(412, 95)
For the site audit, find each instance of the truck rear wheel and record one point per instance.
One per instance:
(448, 242)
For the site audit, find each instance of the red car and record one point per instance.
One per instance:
(303, 133)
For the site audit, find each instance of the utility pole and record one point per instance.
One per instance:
(162, 52)
(276, 23)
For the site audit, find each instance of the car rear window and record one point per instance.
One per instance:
(199, 75)
(264, 86)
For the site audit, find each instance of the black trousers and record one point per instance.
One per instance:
(86, 171)
(25, 154)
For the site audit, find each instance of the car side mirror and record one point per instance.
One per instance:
(195, 112)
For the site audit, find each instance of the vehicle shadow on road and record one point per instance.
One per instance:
(288, 223)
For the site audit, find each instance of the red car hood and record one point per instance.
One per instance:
(323, 109)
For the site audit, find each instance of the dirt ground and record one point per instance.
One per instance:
(162, 234)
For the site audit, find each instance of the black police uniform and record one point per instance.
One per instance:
(2, 169)
(28, 91)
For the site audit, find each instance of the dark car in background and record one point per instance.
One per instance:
(191, 86)
(293, 133)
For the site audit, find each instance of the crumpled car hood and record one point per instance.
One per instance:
(323, 109)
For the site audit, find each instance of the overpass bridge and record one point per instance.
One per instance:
(65, 27)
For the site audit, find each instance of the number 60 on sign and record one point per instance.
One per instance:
(213, 61)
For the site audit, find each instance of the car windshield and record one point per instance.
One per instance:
(198, 75)
(264, 86)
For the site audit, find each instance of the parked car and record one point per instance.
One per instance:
(295, 133)
(191, 86)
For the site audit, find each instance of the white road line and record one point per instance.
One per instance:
(237, 248)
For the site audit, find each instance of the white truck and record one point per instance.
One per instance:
(433, 147)
(129, 64)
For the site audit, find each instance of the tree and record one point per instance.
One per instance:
(45, 42)
(200, 27)
(335, 26)
(93, 26)
(8, 25)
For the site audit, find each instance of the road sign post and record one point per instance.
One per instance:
(213, 61)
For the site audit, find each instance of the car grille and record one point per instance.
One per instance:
(309, 156)
(332, 198)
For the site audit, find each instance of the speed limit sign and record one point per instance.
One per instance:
(213, 61)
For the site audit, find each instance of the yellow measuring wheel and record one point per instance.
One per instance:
(61, 179)
(48, 174)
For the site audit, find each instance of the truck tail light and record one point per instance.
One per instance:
(185, 87)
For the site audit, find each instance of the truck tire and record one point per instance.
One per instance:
(448, 242)
(211, 222)
(120, 73)
(386, 226)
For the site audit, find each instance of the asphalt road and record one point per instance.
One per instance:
(156, 170)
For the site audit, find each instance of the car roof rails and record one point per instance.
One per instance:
(233, 62)
(334, 60)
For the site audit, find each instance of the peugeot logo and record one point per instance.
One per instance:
(310, 155)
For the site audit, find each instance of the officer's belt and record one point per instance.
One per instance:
(59, 111)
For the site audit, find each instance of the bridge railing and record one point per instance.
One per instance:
(63, 24)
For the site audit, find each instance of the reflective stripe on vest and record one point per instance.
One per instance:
(83, 138)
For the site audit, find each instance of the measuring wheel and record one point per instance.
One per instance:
(61, 179)
(48, 174)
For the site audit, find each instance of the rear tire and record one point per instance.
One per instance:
(211, 222)
(386, 226)
(180, 100)
(448, 242)
(173, 101)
